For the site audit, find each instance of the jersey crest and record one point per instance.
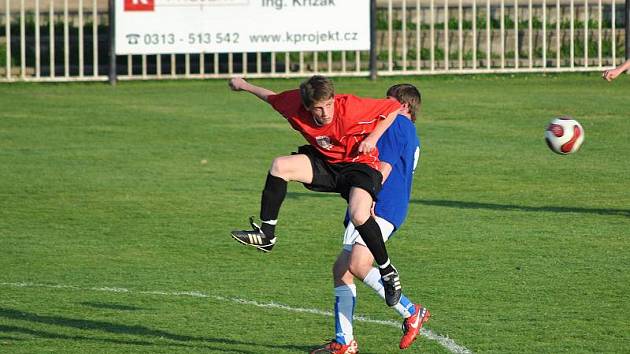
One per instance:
(324, 142)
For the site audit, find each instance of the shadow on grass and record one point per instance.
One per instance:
(7, 338)
(100, 305)
(116, 328)
(510, 207)
(49, 335)
(477, 205)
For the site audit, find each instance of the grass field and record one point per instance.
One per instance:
(114, 236)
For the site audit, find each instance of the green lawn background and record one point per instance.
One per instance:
(513, 248)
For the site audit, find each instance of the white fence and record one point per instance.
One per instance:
(68, 40)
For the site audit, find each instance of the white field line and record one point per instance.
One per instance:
(446, 342)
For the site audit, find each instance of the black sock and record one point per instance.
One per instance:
(386, 270)
(272, 197)
(371, 234)
(268, 229)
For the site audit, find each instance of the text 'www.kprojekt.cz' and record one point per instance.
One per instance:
(313, 37)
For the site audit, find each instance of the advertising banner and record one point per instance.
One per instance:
(236, 26)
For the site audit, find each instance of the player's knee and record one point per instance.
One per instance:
(280, 167)
(292, 168)
(347, 278)
(359, 269)
(359, 205)
(341, 274)
(359, 217)
(354, 268)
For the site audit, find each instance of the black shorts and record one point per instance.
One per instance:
(340, 177)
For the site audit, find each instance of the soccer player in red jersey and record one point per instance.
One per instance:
(611, 74)
(342, 132)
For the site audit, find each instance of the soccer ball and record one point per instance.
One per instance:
(564, 135)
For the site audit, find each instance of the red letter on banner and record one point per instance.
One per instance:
(139, 5)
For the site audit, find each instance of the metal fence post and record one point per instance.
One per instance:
(112, 43)
(373, 68)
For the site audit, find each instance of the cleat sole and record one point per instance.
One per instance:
(260, 248)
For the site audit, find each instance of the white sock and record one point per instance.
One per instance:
(373, 280)
(345, 298)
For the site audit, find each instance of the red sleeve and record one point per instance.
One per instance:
(362, 114)
(287, 103)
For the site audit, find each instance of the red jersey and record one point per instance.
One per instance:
(353, 120)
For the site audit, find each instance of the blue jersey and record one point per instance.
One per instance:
(399, 147)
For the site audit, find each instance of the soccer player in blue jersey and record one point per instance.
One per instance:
(399, 152)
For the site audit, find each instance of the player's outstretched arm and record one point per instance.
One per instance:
(240, 84)
(369, 143)
(610, 75)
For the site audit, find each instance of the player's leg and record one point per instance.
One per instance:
(360, 265)
(414, 315)
(359, 206)
(359, 209)
(296, 167)
(283, 169)
(345, 300)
